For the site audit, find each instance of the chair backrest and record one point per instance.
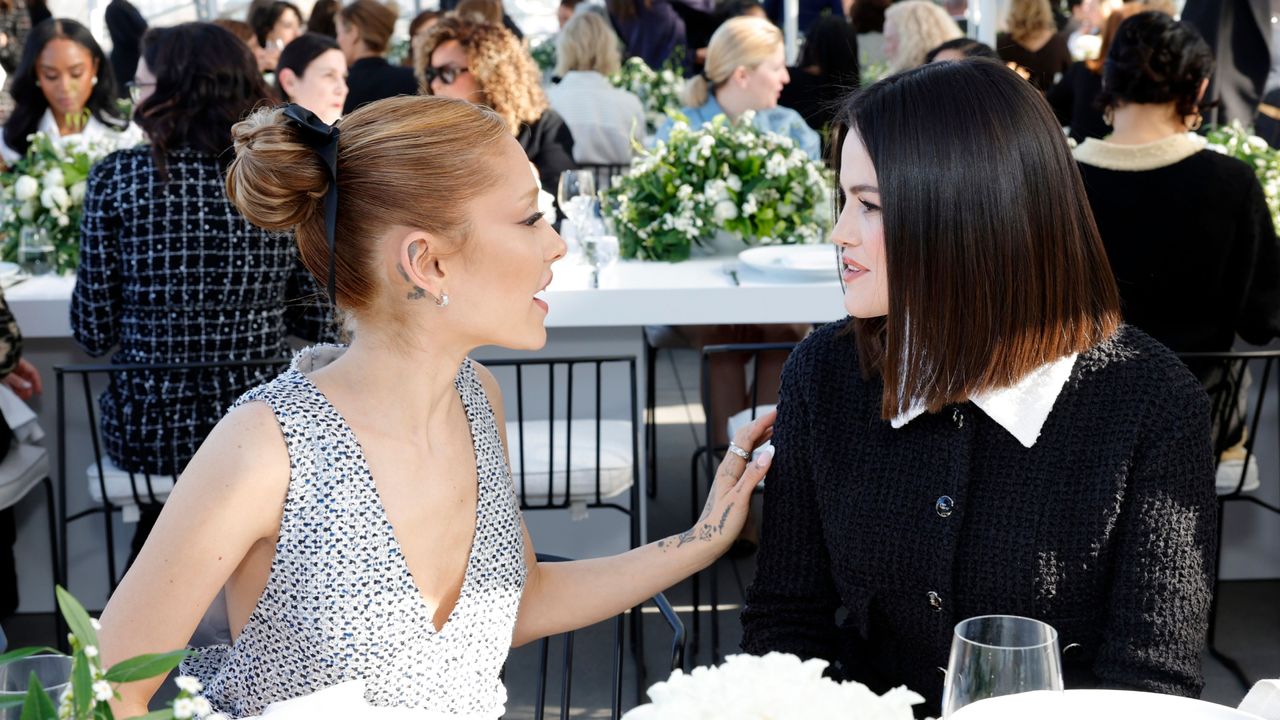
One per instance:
(1238, 384)
(605, 173)
(209, 385)
(556, 404)
(566, 657)
(750, 352)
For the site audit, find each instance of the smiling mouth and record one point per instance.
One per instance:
(850, 270)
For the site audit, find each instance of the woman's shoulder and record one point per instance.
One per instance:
(1131, 363)
(830, 349)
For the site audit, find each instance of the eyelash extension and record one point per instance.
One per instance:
(533, 219)
(868, 206)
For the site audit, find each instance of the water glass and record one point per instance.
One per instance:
(600, 251)
(995, 655)
(577, 195)
(35, 250)
(53, 672)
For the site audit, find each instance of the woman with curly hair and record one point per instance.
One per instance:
(1031, 40)
(911, 29)
(485, 64)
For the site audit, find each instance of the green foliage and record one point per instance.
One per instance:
(1242, 144)
(724, 176)
(658, 90)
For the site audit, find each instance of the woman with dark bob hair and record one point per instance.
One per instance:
(63, 86)
(169, 270)
(982, 435)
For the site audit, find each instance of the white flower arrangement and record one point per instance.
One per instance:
(726, 176)
(658, 90)
(46, 189)
(775, 686)
(1238, 142)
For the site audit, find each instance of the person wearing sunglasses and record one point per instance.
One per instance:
(364, 34)
(485, 64)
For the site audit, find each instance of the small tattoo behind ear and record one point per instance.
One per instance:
(416, 293)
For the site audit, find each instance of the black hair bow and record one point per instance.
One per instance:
(322, 138)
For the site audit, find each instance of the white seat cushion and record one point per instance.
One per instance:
(121, 484)
(23, 467)
(616, 461)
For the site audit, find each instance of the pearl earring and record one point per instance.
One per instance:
(443, 301)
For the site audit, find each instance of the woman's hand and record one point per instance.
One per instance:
(726, 509)
(24, 381)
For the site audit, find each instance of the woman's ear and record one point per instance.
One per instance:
(288, 81)
(739, 76)
(421, 271)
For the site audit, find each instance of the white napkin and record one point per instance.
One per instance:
(343, 702)
(20, 417)
(1263, 700)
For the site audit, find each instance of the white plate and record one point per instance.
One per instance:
(1097, 705)
(9, 268)
(805, 263)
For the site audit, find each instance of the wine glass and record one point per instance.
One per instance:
(53, 672)
(35, 250)
(577, 195)
(601, 251)
(994, 655)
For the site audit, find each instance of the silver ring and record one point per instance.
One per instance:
(733, 448)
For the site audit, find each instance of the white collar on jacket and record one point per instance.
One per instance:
(1022, 408)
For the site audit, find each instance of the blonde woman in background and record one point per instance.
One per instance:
(911, 29)
(605, 121)
(364, 34)
(1032, 41)
(746, 69)
(485, 64)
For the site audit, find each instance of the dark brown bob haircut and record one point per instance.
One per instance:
(994, 260)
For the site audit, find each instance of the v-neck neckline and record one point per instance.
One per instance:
(363, 461)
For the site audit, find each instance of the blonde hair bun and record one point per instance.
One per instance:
(276, 181)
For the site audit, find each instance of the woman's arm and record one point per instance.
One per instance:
(791, 604)
(229, 497)
(1163, 567)
(96, 300)
(559, 597)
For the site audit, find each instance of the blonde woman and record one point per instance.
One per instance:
(364, 34)
(359, 510)
(1032, 41)
(746, 69)
(485, 64)
(605, 121)
(911, 29)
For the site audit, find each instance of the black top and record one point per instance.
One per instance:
(171, 273)
(549, 145)
(1193, 250)
(1044, 64)
(1104, 528)
(815, 97)
(1073, 101)
(373, 78)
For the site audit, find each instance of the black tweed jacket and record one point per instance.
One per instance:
(877, 541)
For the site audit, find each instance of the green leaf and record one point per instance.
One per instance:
(81, 683)
(12, 701)
(145, 666)
(77, 619)
(38, 706)
(102, 711)
(26, 653)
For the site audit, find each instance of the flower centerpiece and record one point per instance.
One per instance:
(92, 687)
(724, 177)
(543, 51)
(45, 189)
(658, 90)
(776, 686)
(1236, 141)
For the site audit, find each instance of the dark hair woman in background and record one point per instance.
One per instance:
(1075, 98)
(63, 86)
(1017, 451)
(960, 49)
(275, 25)
(322, 20)
(826, 73)
(16, 20)
(312, 72)
(169, 271)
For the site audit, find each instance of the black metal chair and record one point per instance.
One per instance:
(705, 460)
(1236, 408)
(140, 488)
(567, 654)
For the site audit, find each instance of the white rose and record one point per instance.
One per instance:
(53, 178)
(54, 197)
(724, 210)
(1257, 142)
(63, 221)
(77, 192)
(27, 212)
(734, 183)
(26, 187)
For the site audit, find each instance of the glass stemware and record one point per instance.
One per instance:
(576, 192)
(995, 655)
(35, 250)
(600, 251)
